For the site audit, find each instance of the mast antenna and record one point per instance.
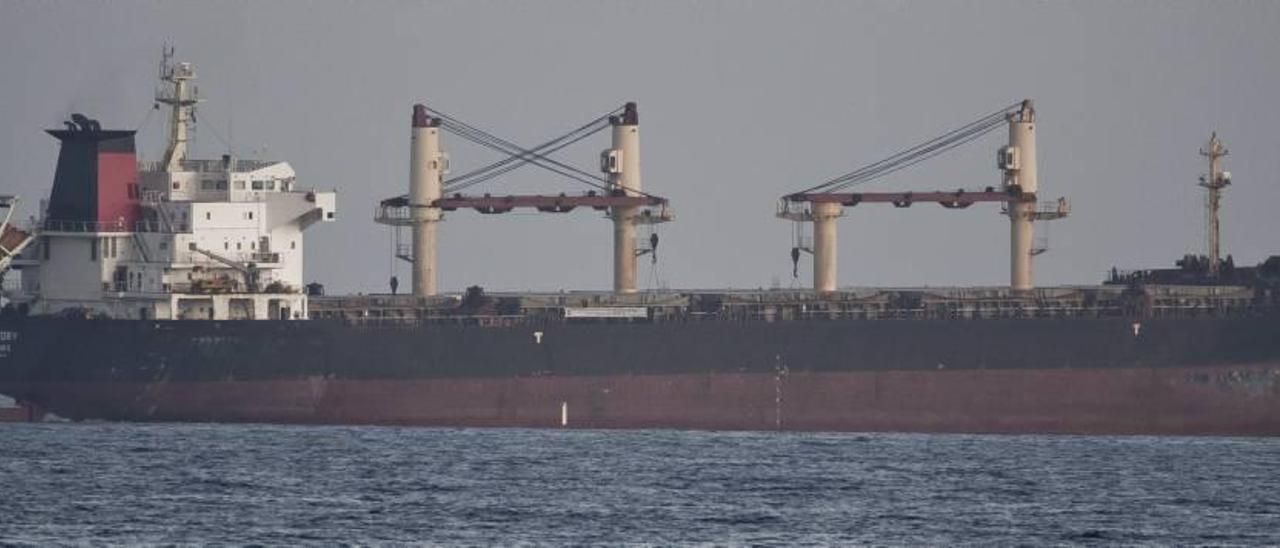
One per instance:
(181, 95)
(1214, 182)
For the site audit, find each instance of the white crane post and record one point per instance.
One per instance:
(426, 169)
(622, 164)
(824, 245)
(1018, 160)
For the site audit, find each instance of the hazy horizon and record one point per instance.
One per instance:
(740, 103)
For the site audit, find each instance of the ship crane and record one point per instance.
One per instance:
(12, 239)
(619, 193)
(250, 271)
(824, 203)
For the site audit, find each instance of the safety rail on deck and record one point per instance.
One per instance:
(53, 225)
(265, 257)
(209, 166)
(263, 261)
(393, 214)
(414, 316)
(473, 321)
(153, 197)
(186, 289)
(916, 314)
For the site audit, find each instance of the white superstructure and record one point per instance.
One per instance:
(214, 239)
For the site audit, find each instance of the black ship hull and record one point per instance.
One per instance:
(1208, 375)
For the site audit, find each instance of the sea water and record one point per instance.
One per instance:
(263, 484)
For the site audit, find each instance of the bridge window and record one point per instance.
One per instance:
(257, 185)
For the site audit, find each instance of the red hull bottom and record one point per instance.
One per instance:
(1234, 400)
(21, 413)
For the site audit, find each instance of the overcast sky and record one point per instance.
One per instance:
(740, 102)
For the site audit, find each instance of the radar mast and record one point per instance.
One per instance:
(1214, 182)
(182, 96)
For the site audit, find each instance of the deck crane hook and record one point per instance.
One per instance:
(798, 244)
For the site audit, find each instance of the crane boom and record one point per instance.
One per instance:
(952, 199)
(12, 239)
(249, 270)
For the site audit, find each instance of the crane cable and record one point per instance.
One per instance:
(918, 153)
(513, 162)
(499, 144)
(553, 166)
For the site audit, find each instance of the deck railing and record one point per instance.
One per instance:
(56, 225)
(208, 166)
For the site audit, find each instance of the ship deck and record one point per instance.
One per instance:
(908, 303)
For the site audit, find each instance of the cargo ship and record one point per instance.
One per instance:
(173, 290)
